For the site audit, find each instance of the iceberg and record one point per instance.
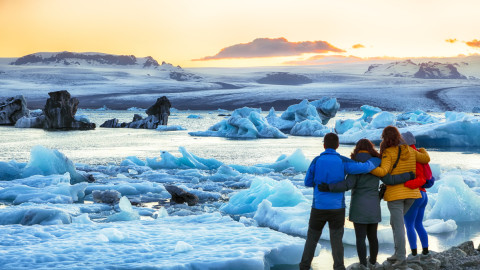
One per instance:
(368, 112)
(457, 133)
(244, 123)
(170, 128)
(309, 128)
(382, 120)
(126, 212)
(455, 200)
(440, 226)
(279, 193)
(43, 161)
(417, 117)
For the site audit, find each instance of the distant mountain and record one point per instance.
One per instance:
(407, 68)
(71, 59)
(89, 59)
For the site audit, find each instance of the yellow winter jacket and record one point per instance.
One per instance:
(407, 163)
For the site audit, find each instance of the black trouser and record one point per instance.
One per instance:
(361, 232)
(318, 219)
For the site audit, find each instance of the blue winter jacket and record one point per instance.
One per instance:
(330, 167)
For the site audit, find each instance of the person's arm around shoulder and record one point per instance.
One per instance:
(415, 183)
(353, 167)
(309, 181)
(422, 156)
(384, 167)
(341, 186)
(391, 180)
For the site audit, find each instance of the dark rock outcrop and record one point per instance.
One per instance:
(106, 196)
(284, 78)
(58, 113)
(181, 196)
(157, 115)
(12, 109)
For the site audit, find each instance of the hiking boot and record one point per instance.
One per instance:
(392, 258)
(375, 266)
(413, 258)
(400, 264)
(427, 256)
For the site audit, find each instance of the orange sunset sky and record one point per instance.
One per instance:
(199, 33)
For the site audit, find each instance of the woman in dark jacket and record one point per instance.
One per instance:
(365, 202)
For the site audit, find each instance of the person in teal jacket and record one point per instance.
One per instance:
(329, 167)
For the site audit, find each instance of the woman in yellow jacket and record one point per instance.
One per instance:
(399, 198)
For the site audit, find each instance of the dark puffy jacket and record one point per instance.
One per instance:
(365, 203)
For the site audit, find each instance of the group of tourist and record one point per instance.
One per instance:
(405, 174)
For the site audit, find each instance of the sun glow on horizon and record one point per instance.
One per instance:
(182, 30)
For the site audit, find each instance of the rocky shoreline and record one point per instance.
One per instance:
(461, 257)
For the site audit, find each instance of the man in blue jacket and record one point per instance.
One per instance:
(329, 167)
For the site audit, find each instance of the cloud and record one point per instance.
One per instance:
(451, 40)
(358, 46)
(326, 60)
(272, 47)
(474, 43)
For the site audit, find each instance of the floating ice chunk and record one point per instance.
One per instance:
(112, 235)
(61, 193)
(39, 181)
(82, 219)
(188, 160)
(126, 212)
(135, 109)
(297, 160)
(280, 123)
(195, 116)
(439, 226)
(368, 112)
(417, 117)
(82, 118)
(327, 108)
(44, 161)
(224, 173)
(135, 160)
(42, 215)
(279, 193)
(182, 247)
(10, 170)
(291, 220)
(310, 128)
(383, 120)
(457, 116)
(455, 200)
(442, 134)
(246, 123)
(170, 128)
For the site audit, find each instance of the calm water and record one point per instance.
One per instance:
(111, 146)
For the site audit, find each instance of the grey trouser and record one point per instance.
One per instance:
(398, 209)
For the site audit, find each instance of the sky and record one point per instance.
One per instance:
(232, 33)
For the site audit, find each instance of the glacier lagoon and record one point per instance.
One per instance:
(268, 233)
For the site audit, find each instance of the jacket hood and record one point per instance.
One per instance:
(362, 157)
(405, 152)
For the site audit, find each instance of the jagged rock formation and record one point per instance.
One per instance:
(106, 196)
(157, 115)
(12, 109)
(181, 196)
(407, 68)
(58, 113)
(284, 78)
